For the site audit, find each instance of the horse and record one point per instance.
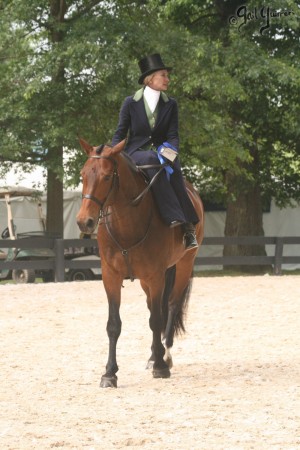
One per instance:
(134, 243)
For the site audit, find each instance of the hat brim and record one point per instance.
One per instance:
(149, 72)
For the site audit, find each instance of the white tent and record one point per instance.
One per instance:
(277, 222)
(26, 215)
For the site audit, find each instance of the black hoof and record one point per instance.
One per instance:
(161, 373)
(108, 382)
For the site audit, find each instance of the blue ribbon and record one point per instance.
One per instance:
(162, 160)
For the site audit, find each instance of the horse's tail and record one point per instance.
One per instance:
(181, 303)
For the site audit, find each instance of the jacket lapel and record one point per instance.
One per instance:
(138, 102)
(163, 108)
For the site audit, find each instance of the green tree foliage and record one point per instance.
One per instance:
(240, 102)
(67, 65)
(239, 93)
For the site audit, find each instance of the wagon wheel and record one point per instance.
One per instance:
(23, 275)
(80, 275)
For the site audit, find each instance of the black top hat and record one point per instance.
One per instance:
(151, 64)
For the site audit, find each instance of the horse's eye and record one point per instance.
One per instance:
(107, 177)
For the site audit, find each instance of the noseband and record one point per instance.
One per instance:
(114, 183)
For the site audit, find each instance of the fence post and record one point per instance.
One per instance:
(278, 256)
(59, 262)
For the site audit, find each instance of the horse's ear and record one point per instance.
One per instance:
(86, 146)
(119, 147)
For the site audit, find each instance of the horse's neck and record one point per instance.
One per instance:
(131, 184)
(130, 178)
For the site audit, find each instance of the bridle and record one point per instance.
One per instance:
(114, 184)
(134, 202)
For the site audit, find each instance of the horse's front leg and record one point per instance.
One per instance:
(114, 324)
(160, 368)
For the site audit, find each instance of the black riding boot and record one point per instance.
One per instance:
(189, 236)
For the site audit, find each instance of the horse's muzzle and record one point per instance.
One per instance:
(86, 225)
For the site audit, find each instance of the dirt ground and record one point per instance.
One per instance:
(235, 383)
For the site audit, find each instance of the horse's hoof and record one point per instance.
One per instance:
(108, 382)
(161, 373)
(150, 364)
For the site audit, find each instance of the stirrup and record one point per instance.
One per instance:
(190, 241)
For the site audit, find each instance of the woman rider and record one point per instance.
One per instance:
(149, 120)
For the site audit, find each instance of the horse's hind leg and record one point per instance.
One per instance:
(169, 282)
(150, 362)
(177, 304)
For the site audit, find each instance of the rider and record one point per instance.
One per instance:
(149, 120)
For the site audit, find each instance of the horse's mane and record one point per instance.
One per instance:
(130, 162)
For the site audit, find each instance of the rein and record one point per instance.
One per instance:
(134, 202)
(124, 251)
(137, 199)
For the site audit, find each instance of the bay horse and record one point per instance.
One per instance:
(135, 243)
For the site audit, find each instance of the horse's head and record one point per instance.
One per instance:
(100, 180)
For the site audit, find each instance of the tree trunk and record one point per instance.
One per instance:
(55, 210)
(244, 217)
(55, 220)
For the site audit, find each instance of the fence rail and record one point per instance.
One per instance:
(60, 262)
(277, 260)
